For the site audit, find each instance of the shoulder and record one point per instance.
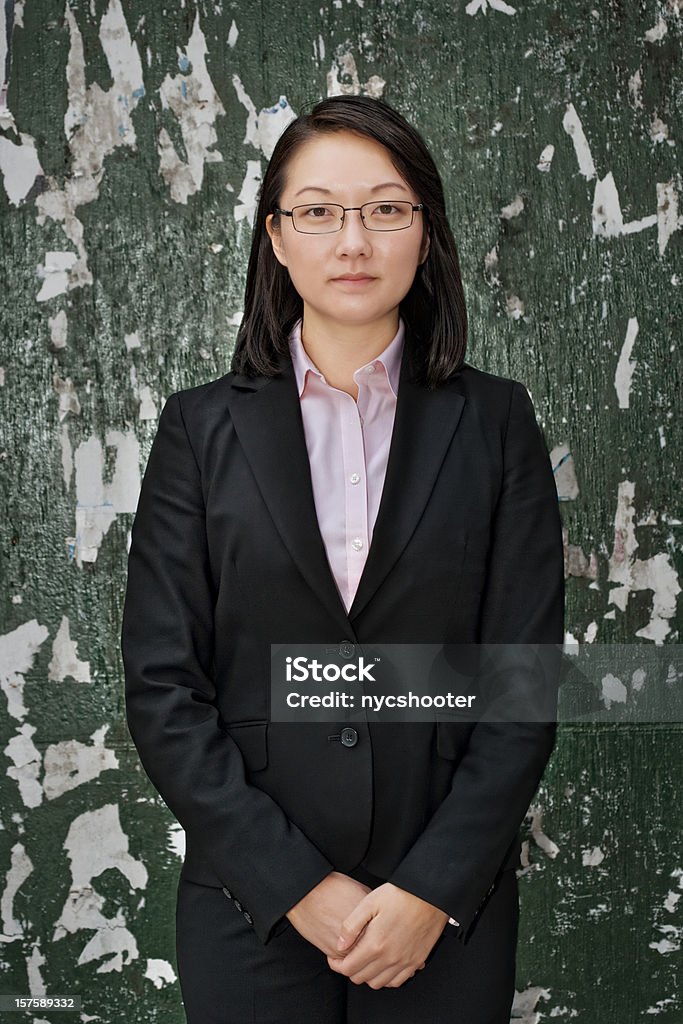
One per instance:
(491, 393)
(201, 402)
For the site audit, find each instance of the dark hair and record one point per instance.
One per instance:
(434, 308)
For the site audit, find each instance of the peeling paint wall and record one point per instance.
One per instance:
(133, 140)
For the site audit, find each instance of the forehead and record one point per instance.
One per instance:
(341, 163)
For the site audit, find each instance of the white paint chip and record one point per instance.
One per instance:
(623, 375)
(264, 128)
(513, 209)
(656, 34)
(613, 691)
(656, 574)
(344, 66)
(65, 661)
(97, 502)
(55, 274)
(571, 122)
(196, 104)
(132, 341)
(19, 870)
(160, 972)
(96, 123)
(68, 398)
(58, 329)
(495, 5)
(608, 219)
(20, 167)
(564, 472)
(148, 409)
(95, 843)
(668, 220)
(248, 197)
(26, 768)
(546, 158)
(538, 835)
(70, 764)
(17, 651)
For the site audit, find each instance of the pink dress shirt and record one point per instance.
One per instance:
(348, 448)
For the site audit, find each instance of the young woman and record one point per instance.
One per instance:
(352, 480)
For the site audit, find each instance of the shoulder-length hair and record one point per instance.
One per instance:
(434, 308)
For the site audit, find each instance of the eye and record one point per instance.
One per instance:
(317, 211)
(385, 209)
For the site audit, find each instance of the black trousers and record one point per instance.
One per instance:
(227, 975)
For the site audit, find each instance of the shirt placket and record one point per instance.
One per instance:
(355, 491)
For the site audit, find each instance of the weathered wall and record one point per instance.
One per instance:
(132, 141)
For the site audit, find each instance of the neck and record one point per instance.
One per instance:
(338, 350)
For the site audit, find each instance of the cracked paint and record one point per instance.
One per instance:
(95, 124)
(626, 366)
(96, 842)
(70, 763)
(19, 870)
(65, 661)
(656, 574)
(17, 652)
(196, 105)
(99, 502)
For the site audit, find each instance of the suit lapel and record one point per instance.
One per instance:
(266, 414)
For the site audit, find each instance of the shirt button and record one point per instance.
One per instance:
(356, 543)
(354, 478)
(370, 368)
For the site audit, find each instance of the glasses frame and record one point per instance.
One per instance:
(345, 209)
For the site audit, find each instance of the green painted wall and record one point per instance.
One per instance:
(132, 140)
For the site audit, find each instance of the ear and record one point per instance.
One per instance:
(276, 240)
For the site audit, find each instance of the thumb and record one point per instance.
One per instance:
(353, 925)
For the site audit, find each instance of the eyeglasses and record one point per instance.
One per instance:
(319, 219)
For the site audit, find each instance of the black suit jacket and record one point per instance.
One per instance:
(227, 558)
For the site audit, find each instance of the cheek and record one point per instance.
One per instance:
(402, 262)
(305, 264)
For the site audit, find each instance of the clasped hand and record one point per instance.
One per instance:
(379, 937)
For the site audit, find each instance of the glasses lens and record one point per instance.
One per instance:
(387, 216)
(316, 220)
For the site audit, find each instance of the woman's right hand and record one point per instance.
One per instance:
(318, 916)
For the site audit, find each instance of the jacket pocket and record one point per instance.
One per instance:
(252, 739)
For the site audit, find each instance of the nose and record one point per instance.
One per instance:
(353, 237)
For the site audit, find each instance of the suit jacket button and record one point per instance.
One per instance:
(346, 649)
(349, 737)
(248, 917)
(238, 904)
(227, 893)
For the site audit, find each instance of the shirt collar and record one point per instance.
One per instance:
(390, 358)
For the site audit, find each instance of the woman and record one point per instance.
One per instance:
(352, 480)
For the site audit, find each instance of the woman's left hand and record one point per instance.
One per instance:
(400, 931)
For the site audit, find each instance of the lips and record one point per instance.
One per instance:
(354, 277)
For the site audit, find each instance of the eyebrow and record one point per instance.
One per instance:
(327, 191)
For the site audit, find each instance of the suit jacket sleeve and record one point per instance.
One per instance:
(167, 643)
(456, 858)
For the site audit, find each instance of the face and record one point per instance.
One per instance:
(350, 167)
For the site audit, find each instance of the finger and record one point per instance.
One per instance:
(371, 970)
(391, 978)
